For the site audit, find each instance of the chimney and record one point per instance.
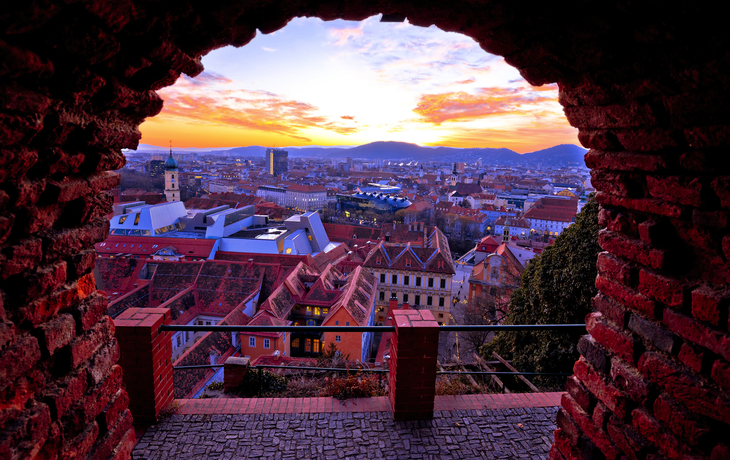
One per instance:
(393, 225)
(410, 226)
(393, 305)
(405, 305)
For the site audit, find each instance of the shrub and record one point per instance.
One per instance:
(215, 386)
(261, 381)
(332, 357)
(303, 387)
(456, 385)
(352, 386)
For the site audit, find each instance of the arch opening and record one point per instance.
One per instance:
(644, 85)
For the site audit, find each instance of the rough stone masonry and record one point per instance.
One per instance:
(645, 82)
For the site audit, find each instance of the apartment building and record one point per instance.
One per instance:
(306, 197)
(418, 276)
(295, 196)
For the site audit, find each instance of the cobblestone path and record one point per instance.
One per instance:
(521, 433)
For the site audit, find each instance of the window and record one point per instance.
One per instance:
(417, 300)
(337, 338)
(495, 273)
(443, 283)
(309, 310)
(347, 323)
(382, 277)
(377, 260)
(406, 280)
(136, 218)
(382, 296)
(316, 346)
(267, 343)
(430, 282)
(441, 301)
(325, 310)
(429, 300)
(408, 262)
(317, 311)
(252, 341)
(283, 335)
(405, 298)
(295, 343)
(418, 281)
(307, 345)
(394, 279)
(179, 340)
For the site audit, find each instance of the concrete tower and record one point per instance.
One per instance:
(172, 179)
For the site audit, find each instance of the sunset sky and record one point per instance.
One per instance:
(350, 83)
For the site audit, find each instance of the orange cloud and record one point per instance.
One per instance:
(528, 137)
(347, 117)
(211, 102)
(463, 106)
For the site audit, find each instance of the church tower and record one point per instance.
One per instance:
(172, 179)
(505, 232)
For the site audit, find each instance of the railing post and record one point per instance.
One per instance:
(234, 371)
(146, 359)
(413, 354)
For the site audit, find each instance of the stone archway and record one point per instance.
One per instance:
(644, 84)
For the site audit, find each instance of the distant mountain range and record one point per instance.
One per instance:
(564, 154)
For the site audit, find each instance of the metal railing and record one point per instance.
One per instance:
(448, 328)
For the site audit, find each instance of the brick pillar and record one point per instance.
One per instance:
(146, 357)
(413, 352)
(234, 370)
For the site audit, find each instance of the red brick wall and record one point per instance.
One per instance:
(146, 356)
(645, 82)
(412, 365)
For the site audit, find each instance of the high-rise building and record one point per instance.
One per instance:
(156, 169)
(277, 161)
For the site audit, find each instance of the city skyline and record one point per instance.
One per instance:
(350, 83)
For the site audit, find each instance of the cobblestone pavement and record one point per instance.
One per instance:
(522, 433)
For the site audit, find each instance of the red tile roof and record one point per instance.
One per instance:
(435, 257)
(191, 248)
(555, 209)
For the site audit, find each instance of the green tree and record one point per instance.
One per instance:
(556, 288)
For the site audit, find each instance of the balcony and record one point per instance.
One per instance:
(410, 422)
(472, 426)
